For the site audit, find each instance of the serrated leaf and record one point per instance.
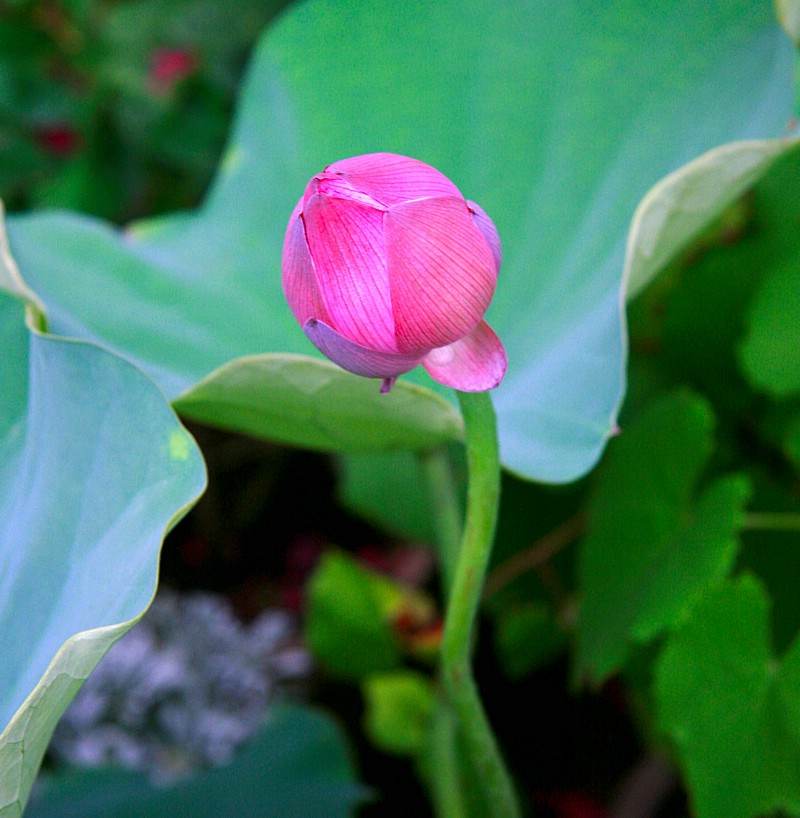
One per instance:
(297, 766)
(346, 627)
(508, 111)
(769, 549)
(771, 350)
(731, 707)
(700, 350)
(654, 543)
(399, 709)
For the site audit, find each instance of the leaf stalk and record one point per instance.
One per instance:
(483, 497)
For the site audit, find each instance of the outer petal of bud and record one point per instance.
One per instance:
(441, 271)
(353, 357)
(474, 363)
(486, 226)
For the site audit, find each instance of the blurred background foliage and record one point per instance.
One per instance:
(119, 109)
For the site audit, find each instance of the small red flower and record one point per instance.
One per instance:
(169, 66)
(58, 139)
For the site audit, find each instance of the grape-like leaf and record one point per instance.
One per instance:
(655, 541)
(731, 707)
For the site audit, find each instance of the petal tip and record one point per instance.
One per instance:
(476, 363)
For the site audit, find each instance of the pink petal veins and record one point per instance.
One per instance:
(335, 185)
(386, 266)
(390, 178)
(486, 226)
(299, 279)
(442, 272)
(474, 364)
(355, 358)
(346, 243)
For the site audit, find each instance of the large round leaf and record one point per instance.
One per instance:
(94, 468)
(676, 209)
(556, 117)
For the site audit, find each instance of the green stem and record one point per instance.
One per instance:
(443, 771)
(447, 512)
(773, 520)
(473, 560)
(444, 774)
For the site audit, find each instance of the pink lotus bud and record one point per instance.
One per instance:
(387, 266)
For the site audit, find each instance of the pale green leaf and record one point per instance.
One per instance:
(94, 469)
(677, 209)
(11, 281)
(788, 12)
(307, 402)
(522, 106)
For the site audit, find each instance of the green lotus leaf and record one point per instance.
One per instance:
(94, 469)
(556, 118)
(675, 210)
(303, 401)
(789, 15)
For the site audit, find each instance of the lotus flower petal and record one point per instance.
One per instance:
(391, 179)
(299, 278)
(386, 265)
(355, 358)
(486, 226)
(475, 363)
(345, 239)
(443, 271)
